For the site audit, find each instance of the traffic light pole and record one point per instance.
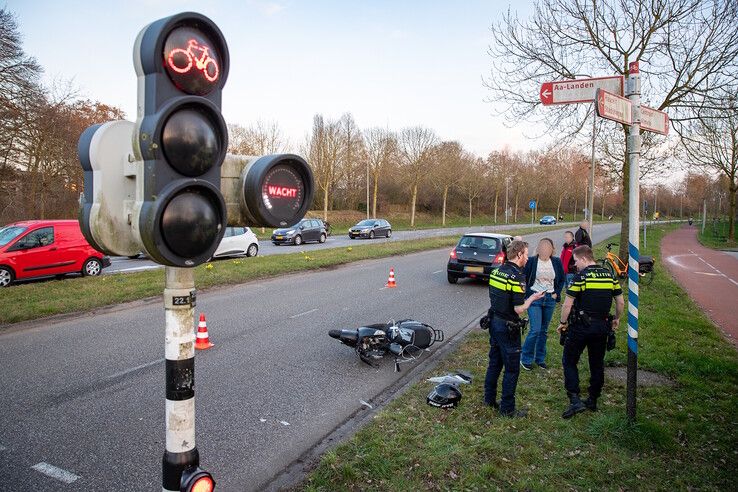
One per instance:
(633, 143)
(179, 346)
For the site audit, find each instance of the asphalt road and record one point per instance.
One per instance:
(124, 264)
(83, 398)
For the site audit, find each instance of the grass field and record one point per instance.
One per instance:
(36, 300)
(685, 437)
(716, 235)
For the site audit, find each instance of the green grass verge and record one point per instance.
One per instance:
(716, 235)
(36, 300)
(685, 436)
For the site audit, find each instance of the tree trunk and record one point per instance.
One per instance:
(497, 194)
(445, 197)
(602, 215)
(470, 210)
(374, 201)
(325, 203)
(731, 217)
(516, 207)
(412, 205)
(576, 206)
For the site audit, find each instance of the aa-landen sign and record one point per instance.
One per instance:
(578, 90)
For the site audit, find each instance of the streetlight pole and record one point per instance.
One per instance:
(590, 204)
(507, 194)
(367, 188)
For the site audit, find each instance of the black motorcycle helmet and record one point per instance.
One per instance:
(444, 396)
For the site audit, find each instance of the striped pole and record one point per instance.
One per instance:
(179, 303)
(633, 145)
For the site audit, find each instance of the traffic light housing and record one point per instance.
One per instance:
(106, 206)
(268, 191)
(195, 479)
(180, 138)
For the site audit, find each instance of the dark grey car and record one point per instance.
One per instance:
(304, 231)
(371, 228)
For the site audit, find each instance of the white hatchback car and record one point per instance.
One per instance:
(237, 241)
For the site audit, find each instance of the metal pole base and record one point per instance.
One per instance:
(630, 404)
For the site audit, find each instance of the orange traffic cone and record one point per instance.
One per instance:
(203, 341)
(391, 281)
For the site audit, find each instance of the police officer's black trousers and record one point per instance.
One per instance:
(595, 341)
(504, 351)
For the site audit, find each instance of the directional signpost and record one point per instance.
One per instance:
(578, 90)
(653, 120)
(613, 107)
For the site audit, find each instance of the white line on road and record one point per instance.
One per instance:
(437, 271)
(708, 273)
(718, 271)
(54, 472)
(133, 369)
(137, 269)
(303, 314)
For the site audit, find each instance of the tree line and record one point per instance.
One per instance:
(411, 170)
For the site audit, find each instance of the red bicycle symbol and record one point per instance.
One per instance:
(200, 62)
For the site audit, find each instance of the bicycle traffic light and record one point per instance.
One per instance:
(269, 191)
(180, 138)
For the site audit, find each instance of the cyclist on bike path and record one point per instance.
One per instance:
(586, 323)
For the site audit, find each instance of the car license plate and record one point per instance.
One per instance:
(279, 237)
(474, 269)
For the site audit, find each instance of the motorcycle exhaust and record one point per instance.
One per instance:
(349, 337)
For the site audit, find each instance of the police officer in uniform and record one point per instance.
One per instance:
(507, 298)
(586, 323)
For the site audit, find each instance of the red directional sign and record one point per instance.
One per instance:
(578, 90)
(653, 120)
(614, 107)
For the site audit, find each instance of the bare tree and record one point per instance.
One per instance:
(416, 144)
(473, 171)
(446, 170)
(688, 49)
(261, 138)
(381, 149)
(323, 149)
(711, 142)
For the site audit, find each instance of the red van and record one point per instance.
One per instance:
(39, 248)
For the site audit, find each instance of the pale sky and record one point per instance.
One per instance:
(389, 63)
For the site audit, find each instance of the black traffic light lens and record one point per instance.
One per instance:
(192, 60)
(191, 142)
(190, 223)
(283, 192)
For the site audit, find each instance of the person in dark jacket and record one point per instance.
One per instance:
(544, 273)
(581, 237)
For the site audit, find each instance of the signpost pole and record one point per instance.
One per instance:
(590, 205)
(633, 144)
(179, 348)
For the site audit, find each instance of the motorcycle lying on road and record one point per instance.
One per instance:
(405, 340)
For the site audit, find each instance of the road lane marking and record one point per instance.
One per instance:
(55, 472)
(718, 271)
(437, 271)
(134, 369)
(136, 269)
(708, 273)
(303, 314)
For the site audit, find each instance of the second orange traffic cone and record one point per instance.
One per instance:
(391, 284)
(203, 340)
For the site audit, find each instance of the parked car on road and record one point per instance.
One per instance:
(547, 220)
(304, 231)
(476, 255)
(40, 248)
(237, 241)
(371, 228)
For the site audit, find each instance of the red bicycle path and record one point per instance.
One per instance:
(710, 277)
